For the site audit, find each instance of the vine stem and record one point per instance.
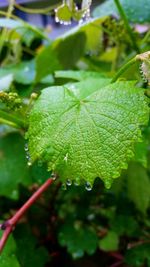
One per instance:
(9, 225)
(124, 68)
(36, 11)
(4, 32)
(126, 22)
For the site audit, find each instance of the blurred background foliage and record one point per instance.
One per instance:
(71, 226)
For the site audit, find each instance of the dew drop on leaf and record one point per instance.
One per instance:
(53, 176)
(69, 182)
(26, 147)
(88, 186)
(77, 182)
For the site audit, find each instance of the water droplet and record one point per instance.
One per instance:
(69, 182)
(91, 217)
(64, 187)
(27, 156)
(77, 254)
(29, 163)
(88, 186)
(26, 147)
(53, 176)
(77, 182)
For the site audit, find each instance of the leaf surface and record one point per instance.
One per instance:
(84, 133)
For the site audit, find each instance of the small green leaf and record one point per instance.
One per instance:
(78, 239)
(124, 225)
(138, 184)
(110, 242)
(8, 257)
(139, 255)
(63, 13)
(13, 165)
(29, 252)
(87, 134)
(136, 11)
(46, 63)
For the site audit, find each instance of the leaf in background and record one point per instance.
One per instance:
(27, 35)
(141, 153)
(46, 63)
(136, 11)
(125, 225)
(23, 72)
(138, 184)
(13, 165)
(110, 242)
(83, 135)
(29, 252)
(5, 82)
(8, 257)
(70, 49)
(139, 255)
(73, 44)
(78, 239)
(78, 75)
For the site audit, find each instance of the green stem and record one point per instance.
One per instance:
(36, 11)
(11, 120)
(126, 22)
(4, 32)
(124, 68)
(146, 37)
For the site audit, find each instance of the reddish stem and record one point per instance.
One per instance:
(117, 264)
(9, 225)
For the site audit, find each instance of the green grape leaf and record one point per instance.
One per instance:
(110, 242)
(136, 11)
(13, 165)
(138, 184)
(78, 239)
(8, 257)
(84, 133)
